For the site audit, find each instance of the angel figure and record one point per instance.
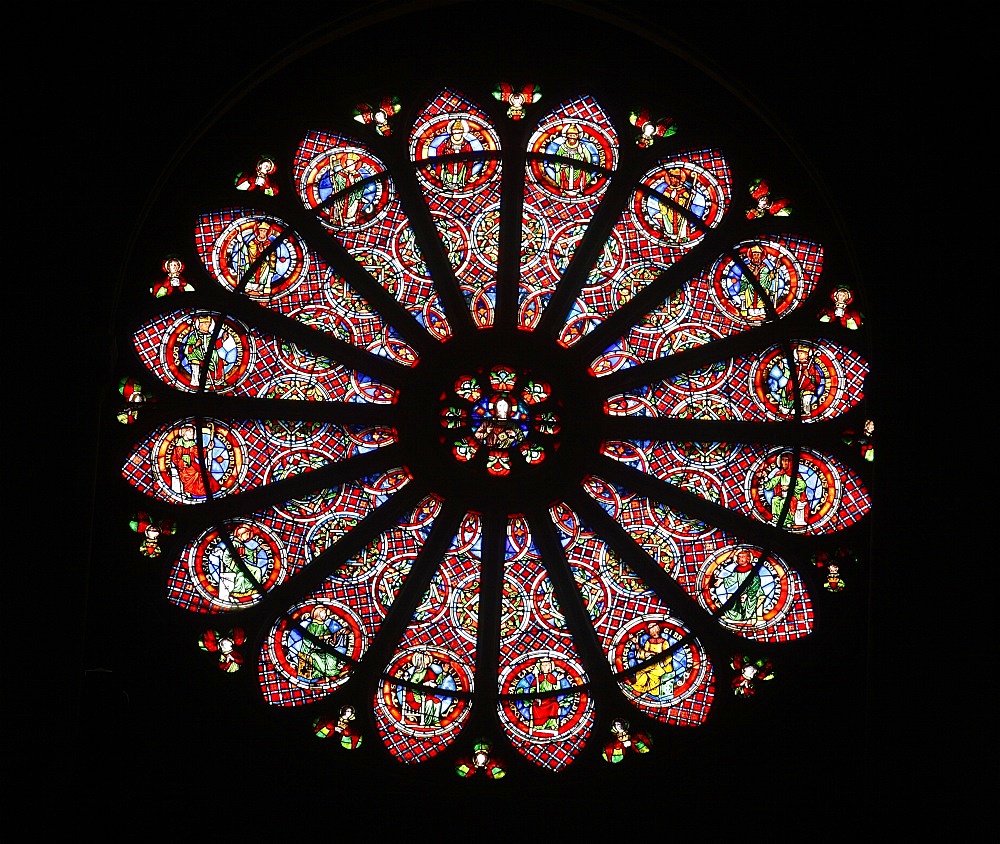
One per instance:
(650, 129)
(863, 439)
(342, 727)
(378, 116)
(481, 760)
(224, 644)
(764, 204)
(749, 671)
(516, 99)
(622, 741)
(172, 281)
(834, 582)
(151, 532)
(841, 311)
(261, 177)
(832, 561)
(131, 390)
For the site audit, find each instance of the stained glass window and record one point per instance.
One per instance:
(497, 422)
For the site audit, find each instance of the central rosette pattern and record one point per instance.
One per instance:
(499, 415)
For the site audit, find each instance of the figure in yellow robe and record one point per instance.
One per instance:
(650, 680)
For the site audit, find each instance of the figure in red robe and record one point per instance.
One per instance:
(810, 379)
(185, 467)
(545, 711)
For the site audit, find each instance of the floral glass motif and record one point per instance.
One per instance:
(629, 316)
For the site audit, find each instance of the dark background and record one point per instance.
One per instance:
(106, 99)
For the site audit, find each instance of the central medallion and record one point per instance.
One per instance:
(503, 420)
(498, 417)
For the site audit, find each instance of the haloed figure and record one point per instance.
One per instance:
(569, 176)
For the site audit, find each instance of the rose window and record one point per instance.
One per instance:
(493, 426)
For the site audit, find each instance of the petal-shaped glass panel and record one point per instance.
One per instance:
(346, 186)
(193, 460)
(829, 379)
(711, 565)
(300, 283)
(665, 217)
(264, 549)
(456, 145)
(436, 657)
(194, 350)
(571, 156)
(819, 496)
(727, 298)
(537, 660)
